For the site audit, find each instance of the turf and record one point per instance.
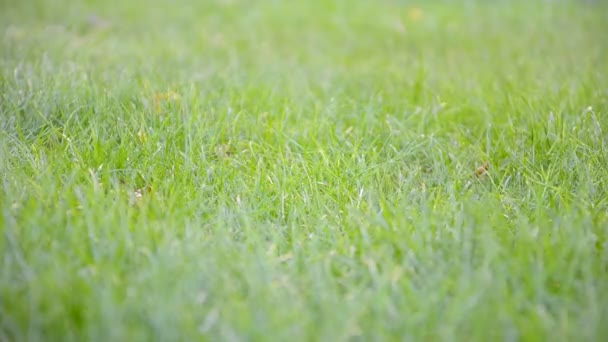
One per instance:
(303, 170)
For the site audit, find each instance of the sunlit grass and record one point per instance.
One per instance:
(303, 170)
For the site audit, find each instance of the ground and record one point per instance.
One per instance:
(303, 170)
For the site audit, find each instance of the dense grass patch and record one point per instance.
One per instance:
(304, 170)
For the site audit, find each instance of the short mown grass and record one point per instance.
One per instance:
(303, 170)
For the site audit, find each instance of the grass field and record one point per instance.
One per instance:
(303, 170)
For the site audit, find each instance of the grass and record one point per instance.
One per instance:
(303, 170)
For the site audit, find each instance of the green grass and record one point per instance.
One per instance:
(306, 170)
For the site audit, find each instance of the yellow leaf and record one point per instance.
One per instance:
(142, 136)
(166, 97)
(414, 14)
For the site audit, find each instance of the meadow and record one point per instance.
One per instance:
(337, 170)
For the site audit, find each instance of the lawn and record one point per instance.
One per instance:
(303, 170)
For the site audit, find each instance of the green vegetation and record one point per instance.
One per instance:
(303, 170)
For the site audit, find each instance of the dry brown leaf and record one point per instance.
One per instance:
(483, 169)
